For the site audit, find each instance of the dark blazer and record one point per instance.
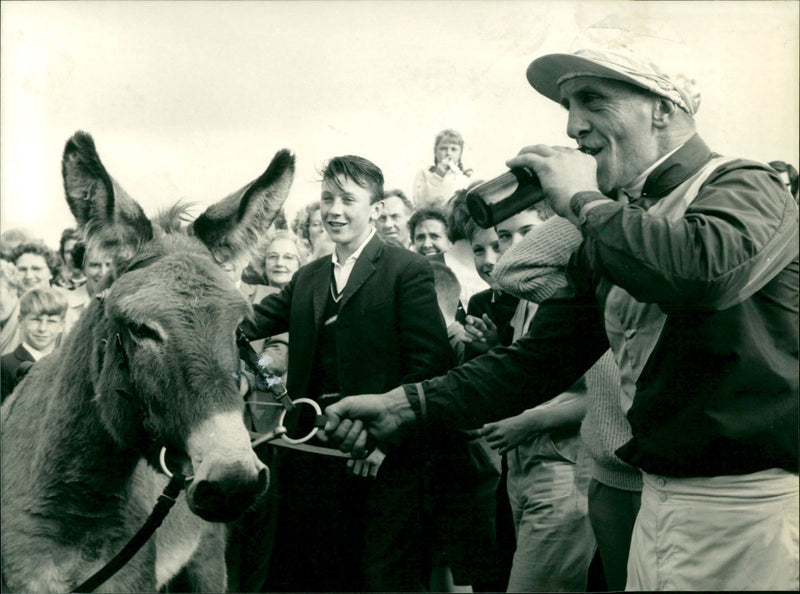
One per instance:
(389, 329)
(10, 364)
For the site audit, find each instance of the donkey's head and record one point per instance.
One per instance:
(165, 366)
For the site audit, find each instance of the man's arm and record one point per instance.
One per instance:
(271, 315)
(565, 338)
(739, 232)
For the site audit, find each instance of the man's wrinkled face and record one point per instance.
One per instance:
(613, 122)
(393, 220)
(430, 238)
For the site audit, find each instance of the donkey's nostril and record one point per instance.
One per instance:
(226, 500)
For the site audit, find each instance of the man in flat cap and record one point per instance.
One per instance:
(689, 271)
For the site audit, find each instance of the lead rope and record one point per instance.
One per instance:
(165, 502)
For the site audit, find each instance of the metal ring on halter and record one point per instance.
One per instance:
(311, 433)
(162, 460)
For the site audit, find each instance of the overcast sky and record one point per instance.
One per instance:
(191, 99)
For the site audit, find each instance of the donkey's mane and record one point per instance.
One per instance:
(175, 218)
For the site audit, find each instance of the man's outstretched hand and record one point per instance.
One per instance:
(356, 424)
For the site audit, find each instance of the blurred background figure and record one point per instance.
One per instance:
(308, 225)
(70, 276)
(392, 222)
(284, 253)
(459, 258)
(788, 175)
(11, 238)
(94, 263)
(36, 264)
(434, 185)
(9, 307)
(253, 273)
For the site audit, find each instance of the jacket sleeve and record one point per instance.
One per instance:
(565, 338)
(739, 231)
(425, 348)
(271, 315)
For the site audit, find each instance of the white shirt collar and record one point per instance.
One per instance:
(634, 190)
(36, 354)
(341, 272)
(354, 256)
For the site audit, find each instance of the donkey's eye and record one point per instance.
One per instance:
(145, 332)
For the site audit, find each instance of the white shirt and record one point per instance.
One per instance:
(634, 190)
(35, 353)
(341, 272)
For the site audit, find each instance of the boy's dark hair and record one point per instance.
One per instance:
(544, 209)
(363, 172)
(425, 214)
(402, 196)
(462, 225)
(43, 302)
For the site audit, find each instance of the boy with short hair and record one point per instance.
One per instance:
(462, 476)
(41, 319)
(361, 320)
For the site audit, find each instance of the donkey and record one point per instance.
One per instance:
(152, 363)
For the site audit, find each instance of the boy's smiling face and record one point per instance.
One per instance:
(346, 209)
(40, 331)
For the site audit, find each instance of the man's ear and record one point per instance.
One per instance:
(663, 112)
(377, 209)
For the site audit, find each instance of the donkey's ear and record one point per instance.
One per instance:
(234, 226)
(99, 204)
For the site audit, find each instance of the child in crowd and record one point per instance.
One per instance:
(10, 283)
(461, 480)
(434, 185)
(41, 319)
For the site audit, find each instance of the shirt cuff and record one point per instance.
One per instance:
(582, 202)
(416, 398)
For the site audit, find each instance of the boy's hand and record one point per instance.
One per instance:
(507, 434)
(482, 330)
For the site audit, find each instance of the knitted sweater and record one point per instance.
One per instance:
(533, 269)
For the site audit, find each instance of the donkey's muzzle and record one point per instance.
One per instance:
(224, 499)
